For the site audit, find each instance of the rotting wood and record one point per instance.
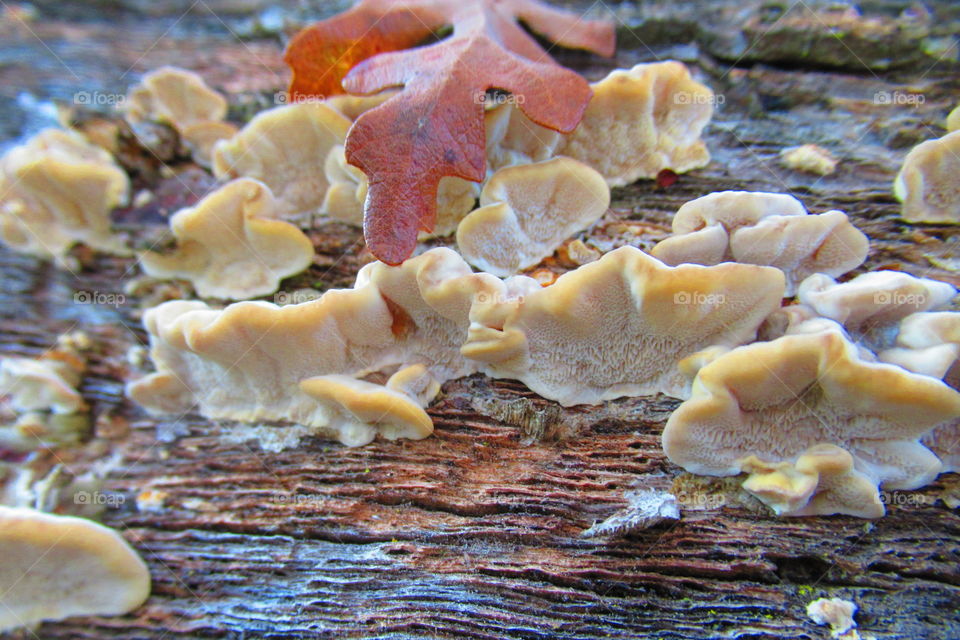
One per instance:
(475, 531)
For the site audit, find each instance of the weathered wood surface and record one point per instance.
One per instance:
(475, 532)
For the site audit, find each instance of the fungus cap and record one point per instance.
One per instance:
(873, 299)
(835, 612)
(286, 148)
(527, 211)
(765, 229)
(809, 158)
(953, 120)
(822, 481)
(57, 566)
(201, 138)
(618, 326)
(58, 190)
(364, 409)
(927, 183)
(174, 96)
(641, 121)
(40, 385)
(230, 247)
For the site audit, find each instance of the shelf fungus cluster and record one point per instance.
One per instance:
(230, 245)
(845, 396)
(815, 425)
(315, 363)
(766, 229)
(57, 190)
(182, 100)
(614, 327)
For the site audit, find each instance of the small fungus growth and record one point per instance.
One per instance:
(230, 246)
(527, 211)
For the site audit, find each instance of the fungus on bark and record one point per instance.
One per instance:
(231, 246)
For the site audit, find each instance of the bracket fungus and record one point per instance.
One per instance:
(174, 96)
(201, 138)
(927, 183)
(57, 190)
(822, 480)
(527, 211)
(364, 409)
(872, 301)
(58, 566)
(229, 245)
(618, 326)
(641, 121)
(181, 99)
(926, 342)
(47, 384)
(285, 148)
(778, 410)
(247, 362)
(513, 138)
(765, 229)
(346, 190)
(39, 399)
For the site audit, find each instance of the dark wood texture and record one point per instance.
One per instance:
(476, 531)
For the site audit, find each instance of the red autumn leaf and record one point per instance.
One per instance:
(435, 126)
(322, 54)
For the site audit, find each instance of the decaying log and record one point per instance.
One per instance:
(475, 532)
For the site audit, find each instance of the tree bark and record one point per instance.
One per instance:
(475, 532)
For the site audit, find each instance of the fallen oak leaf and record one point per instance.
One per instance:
(322, 54)
(435, 126)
